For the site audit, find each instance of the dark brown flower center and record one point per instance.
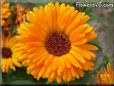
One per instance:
(6, 53)
(57, 43)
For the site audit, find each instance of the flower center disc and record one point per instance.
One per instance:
(57, 43)
(6, 53)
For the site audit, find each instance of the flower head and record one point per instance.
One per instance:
(5, 11)
(56, 43)
(20, 14)
(106, 76)
(10, 54)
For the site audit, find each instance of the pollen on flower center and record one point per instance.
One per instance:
(57, 43)
(6, 53)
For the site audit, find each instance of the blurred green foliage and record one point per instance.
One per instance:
(19, 77)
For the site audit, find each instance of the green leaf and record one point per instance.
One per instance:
(107, 59)
(21, 82)
(93, 16)
(18, 76)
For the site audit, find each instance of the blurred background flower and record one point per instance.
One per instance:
(106, 76)
(20, 16)
(5, 12)
(10, 54)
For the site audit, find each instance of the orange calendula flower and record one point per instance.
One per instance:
(106, 76)
(5, 11)
(10, 53)
(56, 43)
(20, 14)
